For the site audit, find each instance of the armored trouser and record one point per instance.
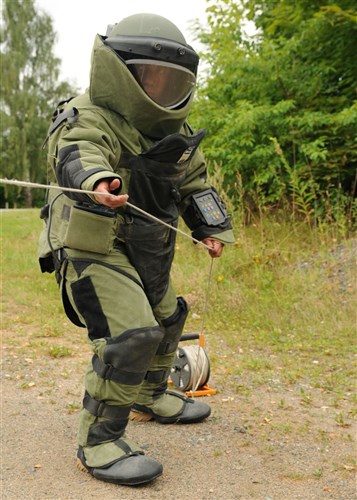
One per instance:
(133, 344)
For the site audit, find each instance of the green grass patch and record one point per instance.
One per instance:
(280, 306)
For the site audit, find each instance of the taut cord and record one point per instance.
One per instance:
(15, 182)
(205, 304)
(201, 365)
(201, 338)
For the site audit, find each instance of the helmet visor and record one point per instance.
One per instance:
(167, 84)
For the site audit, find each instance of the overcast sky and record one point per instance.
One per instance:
(76, 23)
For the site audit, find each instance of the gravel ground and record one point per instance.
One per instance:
(251, 447)
(246, 449)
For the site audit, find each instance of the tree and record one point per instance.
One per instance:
(29, 73)
(279, 106)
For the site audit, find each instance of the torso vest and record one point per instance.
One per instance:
(154, 180)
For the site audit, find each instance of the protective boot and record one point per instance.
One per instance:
(133, 469)
(154, 400)
(113, 382)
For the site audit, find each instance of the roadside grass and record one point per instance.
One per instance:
(33, 325)
(281, 308)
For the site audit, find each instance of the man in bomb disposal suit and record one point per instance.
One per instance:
(127, 138)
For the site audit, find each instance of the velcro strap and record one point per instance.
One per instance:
(126, 448)
(101, 409)
(157, 377)
(166, 347)
(109, 372)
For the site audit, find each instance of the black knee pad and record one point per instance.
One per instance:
(127, 357)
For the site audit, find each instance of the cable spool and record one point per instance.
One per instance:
(191, 368)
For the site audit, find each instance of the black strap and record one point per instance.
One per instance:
(60, 264)
(101, 409)
(109, 372)
(166, 347)
(71, 116)
(126, 448)
(157, 377)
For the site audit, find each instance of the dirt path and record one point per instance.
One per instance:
(250, 448)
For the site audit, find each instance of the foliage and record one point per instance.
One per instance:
(279, 105)
(29, 94)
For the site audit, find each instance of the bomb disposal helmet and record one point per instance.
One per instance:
(156, 53)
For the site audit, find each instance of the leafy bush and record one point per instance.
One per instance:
(279, 106)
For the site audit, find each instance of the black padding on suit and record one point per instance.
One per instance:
(173, 327)
(84, 293)
(132, 352)
(155, 180)
(106, 431)
(102, 431)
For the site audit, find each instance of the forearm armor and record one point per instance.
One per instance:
(206, 214)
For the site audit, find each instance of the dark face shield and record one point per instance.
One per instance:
(167, 84)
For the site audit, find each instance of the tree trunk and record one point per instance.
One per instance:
(27, 197)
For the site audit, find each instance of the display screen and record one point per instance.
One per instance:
(209, 208)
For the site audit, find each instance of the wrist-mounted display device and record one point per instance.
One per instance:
(209, 207)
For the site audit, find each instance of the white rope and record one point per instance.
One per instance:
(198, 364)
(15, 182)
(205, 304)
(201, 354)
(196, 355)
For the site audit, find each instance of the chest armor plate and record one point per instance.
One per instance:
(154, 180)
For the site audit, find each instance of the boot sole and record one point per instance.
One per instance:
(81, 467)
(139, 416)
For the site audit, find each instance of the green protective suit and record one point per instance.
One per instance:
(113, 267)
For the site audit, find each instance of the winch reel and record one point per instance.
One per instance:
(191, 369)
